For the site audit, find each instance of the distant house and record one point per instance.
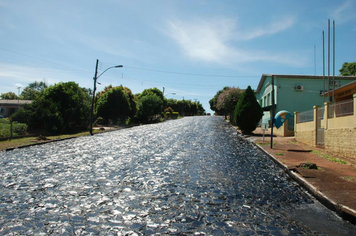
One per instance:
(343, 93)
(8, 107)
(295, 92)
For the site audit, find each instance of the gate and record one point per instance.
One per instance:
(319, 129)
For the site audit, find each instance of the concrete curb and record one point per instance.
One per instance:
(36, 144)
(343, 211)
(54, 140)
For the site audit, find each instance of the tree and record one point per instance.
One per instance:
(173, 103)
(228, 99)
(348, 69)
(149, 106)
(62, 108)
(132, 100)
(155, 90)
(247, 112)
(186, 106)
(200, 109)
(115, 104)
(214, 101)
(33, 90)
(9, 96)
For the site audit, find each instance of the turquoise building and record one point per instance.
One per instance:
(295, 92)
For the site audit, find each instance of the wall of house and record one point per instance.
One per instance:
(8, 107)
(266, 117)
(8, 110)
(284, 130)
(290, 99)
(294, 100)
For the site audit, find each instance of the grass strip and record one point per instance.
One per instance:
(329, 158)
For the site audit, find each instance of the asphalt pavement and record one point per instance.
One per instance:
(192, 176)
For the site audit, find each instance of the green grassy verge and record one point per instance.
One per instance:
(31, 140)
(330, 158)
(349, 178)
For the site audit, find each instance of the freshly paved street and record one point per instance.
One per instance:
(189, 176)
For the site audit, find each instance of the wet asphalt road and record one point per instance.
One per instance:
(193, 176)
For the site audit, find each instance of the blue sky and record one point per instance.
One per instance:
(192, 48)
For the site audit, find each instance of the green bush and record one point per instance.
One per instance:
(17, 128)
(99, 121)
(247, 112)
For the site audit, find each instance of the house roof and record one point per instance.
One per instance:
(345, 87)
(14, 102)
(264, 76)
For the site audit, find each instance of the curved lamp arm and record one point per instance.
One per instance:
(118, 66)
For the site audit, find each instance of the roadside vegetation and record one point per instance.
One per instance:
(349, 178)
(17, 128)
(17, 142)
(240, 105)
(65, 108)
(329, 158)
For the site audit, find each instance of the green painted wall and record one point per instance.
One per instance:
(290, 99)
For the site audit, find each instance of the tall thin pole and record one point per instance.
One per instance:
(323, 67)
(92, 103)
(314, 59)
(328, 58)
(333, 60)
(273, 111)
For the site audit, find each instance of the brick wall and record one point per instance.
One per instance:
(307, 137)
(341, 141)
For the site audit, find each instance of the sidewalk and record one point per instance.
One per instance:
(333, 183)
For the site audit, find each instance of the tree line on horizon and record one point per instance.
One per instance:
(65, 107)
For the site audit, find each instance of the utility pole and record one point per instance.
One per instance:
(323, 67)
(333, 60)
(328, 59)
(92, 104)
(273, 110)
(96, 76)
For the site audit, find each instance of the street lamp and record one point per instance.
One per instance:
(170, 94)
(96, 76)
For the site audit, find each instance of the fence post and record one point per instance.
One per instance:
(315, 124)
(10, 128)
(354, 97)
(296, 114)
(326, 115)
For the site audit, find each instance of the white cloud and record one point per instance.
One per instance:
(214, 40)
(274, 27)
(344, 13)
(203, 39)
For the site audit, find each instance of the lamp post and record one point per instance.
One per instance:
(171, 94)
(18, 95)
(96, 76)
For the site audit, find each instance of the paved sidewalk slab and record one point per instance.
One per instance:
(333, 183)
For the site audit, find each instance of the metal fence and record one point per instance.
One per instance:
(344, 108)
(305, 116)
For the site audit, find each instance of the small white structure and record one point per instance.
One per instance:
(8, 107)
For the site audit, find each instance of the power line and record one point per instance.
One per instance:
(44, 60)
(193, 74)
